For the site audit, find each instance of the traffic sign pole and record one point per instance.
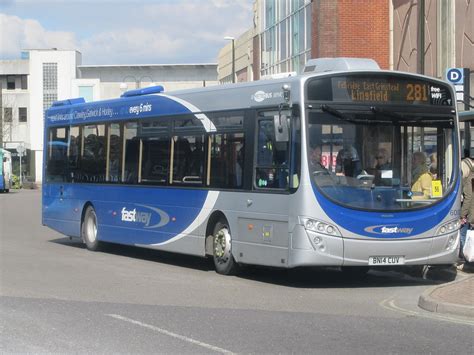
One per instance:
(20, 150)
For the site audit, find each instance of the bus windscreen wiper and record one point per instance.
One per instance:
(397, 118)
(336, 113)
(378, 111)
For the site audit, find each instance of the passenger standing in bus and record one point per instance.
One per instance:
(421, 177)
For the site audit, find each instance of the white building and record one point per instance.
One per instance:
(29, 85)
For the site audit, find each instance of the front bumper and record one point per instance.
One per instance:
(312, 249)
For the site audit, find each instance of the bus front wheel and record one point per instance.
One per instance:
(89, 229)
(222, 250)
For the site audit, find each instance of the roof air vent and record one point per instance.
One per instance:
(145, 91)
(79, 100)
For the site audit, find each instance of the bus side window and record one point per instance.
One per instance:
(94, 153)
(131, 153)
(188, 160)
(74, 151)
(272, 158)
(155, 160)
(227, 160)
(57, 154)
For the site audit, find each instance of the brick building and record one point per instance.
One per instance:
(289, 32)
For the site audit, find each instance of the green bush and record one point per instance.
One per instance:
(15, 182)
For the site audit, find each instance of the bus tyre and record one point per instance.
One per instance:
(89, 229)
(222, 250)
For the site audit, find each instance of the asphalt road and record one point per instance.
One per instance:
(56, 296)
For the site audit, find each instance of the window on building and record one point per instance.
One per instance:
(24, 82)
(7, 114)
(10, 82)
(22, 114)
(50, 84)
(87, 92)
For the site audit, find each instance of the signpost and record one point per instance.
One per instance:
(459, 77)
(20, 148)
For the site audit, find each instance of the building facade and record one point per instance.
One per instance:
(28, 86)
(242, 49)
(392, 32)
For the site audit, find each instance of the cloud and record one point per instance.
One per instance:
(127, 32)
(136, 45)
(18, 34)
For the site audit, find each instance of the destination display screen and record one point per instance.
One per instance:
(382, 89)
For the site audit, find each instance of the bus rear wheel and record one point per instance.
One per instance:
(222, 250)
(89, 229)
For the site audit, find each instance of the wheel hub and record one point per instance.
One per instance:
(222, 245)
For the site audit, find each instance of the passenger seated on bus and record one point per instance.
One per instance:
(348, 162)
(315, 165)
(421, 177)
(382, 168)
(434, 165)
(196, 160)
(381, 160)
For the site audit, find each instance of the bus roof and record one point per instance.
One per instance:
(153, 101)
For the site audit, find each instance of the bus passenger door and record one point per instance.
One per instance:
(263, 223)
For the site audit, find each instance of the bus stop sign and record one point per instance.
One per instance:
(455, 75)
(20, 149)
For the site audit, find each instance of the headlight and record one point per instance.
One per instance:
(449, 227)
(314, 225)
(452, 242)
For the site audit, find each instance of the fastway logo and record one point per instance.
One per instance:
(382, 229)
(134, 216)
(144, 217)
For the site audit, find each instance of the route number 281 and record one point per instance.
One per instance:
(417, 92)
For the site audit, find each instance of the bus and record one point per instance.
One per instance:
(227, 171)
(5, 170)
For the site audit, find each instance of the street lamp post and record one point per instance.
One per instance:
(233, 56)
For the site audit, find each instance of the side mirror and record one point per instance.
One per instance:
(4, 159)
(281, 128)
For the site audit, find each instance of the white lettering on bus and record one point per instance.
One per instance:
(140, 108)
(129, 216)
(134, 216)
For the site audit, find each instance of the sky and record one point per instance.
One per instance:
(124, 31)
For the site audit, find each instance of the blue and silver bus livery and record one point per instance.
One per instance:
(346, 165)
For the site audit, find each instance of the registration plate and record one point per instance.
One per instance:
(386, 260)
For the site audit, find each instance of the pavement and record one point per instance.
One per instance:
(456, 297)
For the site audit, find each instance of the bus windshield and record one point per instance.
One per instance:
(380, 160)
